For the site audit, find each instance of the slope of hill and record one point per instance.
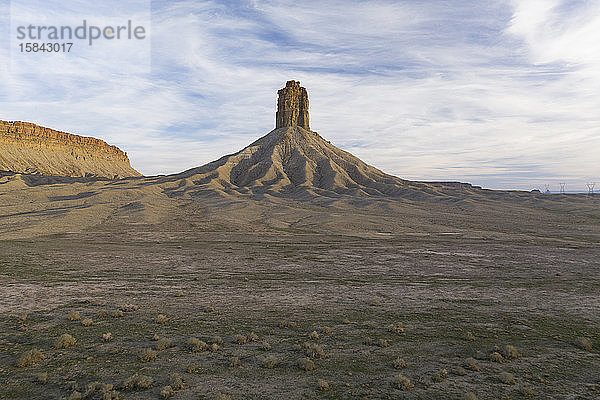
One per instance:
(31, 149)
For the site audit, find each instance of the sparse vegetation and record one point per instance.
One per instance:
(87, 322)
(510, 352)
(496, 357)
(265, 345)
(148, 355)
(235, 362)
(75, 316)
(30, 358)
(42, 377)
(399, 363)
(306, 364)
(584, 343)
(440, 376)
(196, 345)
(403, 383)
(397, 328)
(161, 319)
(507, 378)
(472, 364)
(163, 344)
(117, 314)
(177, 382)
(107, 337)
(240, 339)
(314, 335)
(137, 382)
(167, 392)
(64, 341)
(323, 385)
(313, 350)
(270, 361)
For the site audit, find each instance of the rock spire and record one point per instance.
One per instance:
(292, 106)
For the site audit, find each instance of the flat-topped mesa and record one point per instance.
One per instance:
(31, 149)
(292, 106)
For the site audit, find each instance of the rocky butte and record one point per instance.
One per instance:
(27, 148)
(292, 106)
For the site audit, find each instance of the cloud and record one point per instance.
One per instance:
(502, 94)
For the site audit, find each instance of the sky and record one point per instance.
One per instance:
(501, 94)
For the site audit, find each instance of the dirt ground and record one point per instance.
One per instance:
(438, 308)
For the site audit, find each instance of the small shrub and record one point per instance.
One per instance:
(397, 328)
(30, 358)
(313, 350)
(87, 322)
(176, 382)
(253, 337)
(403, 383)
(328, 330)
(510, 352)
(192, 369)
(117, 314)
(215, 347)
(265, 345)
(440, 376)
(399, 363)
(383, 343)
(64, 341)
(323, 385)
(161, 319)
(137, 382)
(527, 391)
(497, 357)
(129, 308)
(76, 396)
(471, 396)
(472, 364)
(314, 335)
(222, 396)
(74, 316)
(235, 362)
(208, 309)
(507, 378)
(461, 371)
(107, 337)
(270, 362)
(306, 364)
(102, 314)
(240, 339)
(469, 336)
(43, 377)
(163, 344)
(167, 392)
(102, 391)
(584, 343)
(180, 294)
(346, 321)
(148, 355)
(196, 345)
(217, 339)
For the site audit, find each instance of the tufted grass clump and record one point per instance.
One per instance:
(75, 316)
(240, 339)
(87, 322)
(584, 343)
(313, 350)
(314, 335)
(117, 314)
(403, 383)
(30, 358)
(176, 382)
(167, 392)
(217, 340)
(399, 363)
(397, 328)
(104, 391)
(510, 352)
(306, 364)
(137, 382)
(148, 355)
(107, 337)
(323, 385)
(42, 377)
(470, 396)
(64, 341)
(266, 346)
(496, 357)
(196, 345)
(507, 378)
(102, 314)
(270, 362)
(161, 319)
(163, 344)
(235, 362)
(472, 364)
(440, 376)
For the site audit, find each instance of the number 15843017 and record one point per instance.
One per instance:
(45, 47)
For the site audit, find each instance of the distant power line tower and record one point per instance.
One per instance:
(562, 187)
(591, 188)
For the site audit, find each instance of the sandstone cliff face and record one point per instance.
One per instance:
(292, 106)
(31, 149)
